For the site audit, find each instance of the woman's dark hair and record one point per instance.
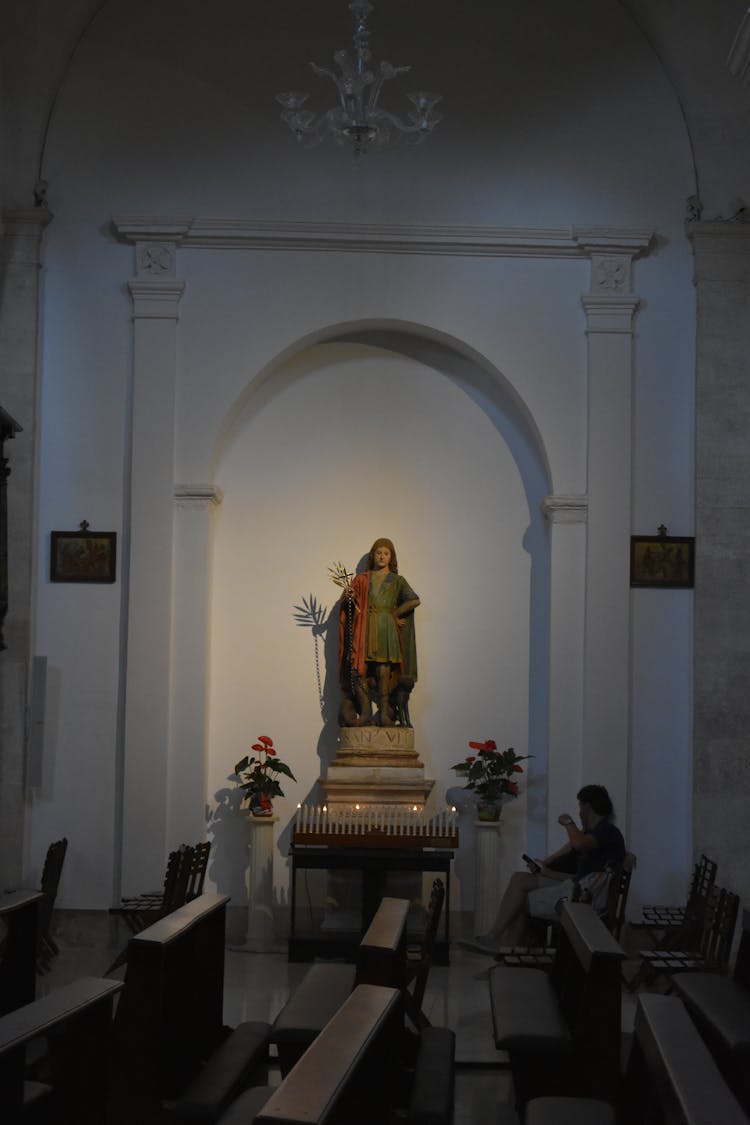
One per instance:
(598, 797)
(392, 565)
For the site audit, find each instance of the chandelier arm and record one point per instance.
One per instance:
(386, 71)
(398, 123)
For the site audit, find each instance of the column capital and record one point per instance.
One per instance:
(721, 250)
(197, 496)
(154, 298)
(566, 509)
(22, 231)
(610, 312)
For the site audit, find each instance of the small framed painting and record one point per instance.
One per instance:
(83, 555)
(666, 561)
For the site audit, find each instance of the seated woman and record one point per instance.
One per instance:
(587, 851)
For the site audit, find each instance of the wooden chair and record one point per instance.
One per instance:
(710, 953)
(672, 926)
(47, 947)
(617, 895)
(144, 910)
(419, 959)
(541, 954)
(197, 872)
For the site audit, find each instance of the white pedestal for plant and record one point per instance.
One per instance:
(260, 936)
(488, 875)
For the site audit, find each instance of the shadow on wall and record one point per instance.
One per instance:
(228, 822)
(229, 831)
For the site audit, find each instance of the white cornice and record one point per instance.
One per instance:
(566, 509)
(197, 496)
(467, 241)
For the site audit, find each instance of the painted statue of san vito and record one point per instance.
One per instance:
(377, 644)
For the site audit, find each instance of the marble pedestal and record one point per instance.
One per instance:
(260, 936)
(488, 873)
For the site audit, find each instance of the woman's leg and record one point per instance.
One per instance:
(510, 921)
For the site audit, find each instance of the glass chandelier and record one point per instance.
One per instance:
(358, 119)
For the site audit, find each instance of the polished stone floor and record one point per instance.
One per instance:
(258, 984)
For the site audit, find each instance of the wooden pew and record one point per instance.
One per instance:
(346, 1074)
(77, 1022)
(720, 1007)
(381, 960)
(673, 1069)
(170, 1040)
(671, 1077)
(354, 1072)
(562, 1027)
(19, 912)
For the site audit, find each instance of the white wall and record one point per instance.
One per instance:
(266, 401)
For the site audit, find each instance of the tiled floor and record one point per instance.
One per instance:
(258, 984)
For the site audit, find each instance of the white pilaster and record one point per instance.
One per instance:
(155, 293)
(186, 788)
(567, 516)
(21, 248)
(610, 308)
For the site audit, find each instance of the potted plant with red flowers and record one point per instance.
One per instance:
(257, 775)
(491, 774)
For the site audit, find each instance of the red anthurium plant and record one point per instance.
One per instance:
(257, 773)
(491, 772)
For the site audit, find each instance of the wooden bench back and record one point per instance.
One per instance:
(381, 955)
(19, 912)
(742, 961)
(587, 975)
(671, 1073)
(78, 1020)
(170, 1015)
(345, 1075)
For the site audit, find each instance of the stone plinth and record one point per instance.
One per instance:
(376, 765)
(377, 746)
(373, 785)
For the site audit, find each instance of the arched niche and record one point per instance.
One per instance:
(360, 430)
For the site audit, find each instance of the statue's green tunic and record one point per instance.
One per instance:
(375, 637)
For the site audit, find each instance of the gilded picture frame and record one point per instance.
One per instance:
(83, 556)
(662, 561)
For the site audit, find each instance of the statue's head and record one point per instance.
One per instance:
(393, 564)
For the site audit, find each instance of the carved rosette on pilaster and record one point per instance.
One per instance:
(610, 304)
(155, 289)
(198, 497)
(565, 509)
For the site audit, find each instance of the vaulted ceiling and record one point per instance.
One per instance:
(699, 45)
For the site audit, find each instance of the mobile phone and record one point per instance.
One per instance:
(531, 862)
